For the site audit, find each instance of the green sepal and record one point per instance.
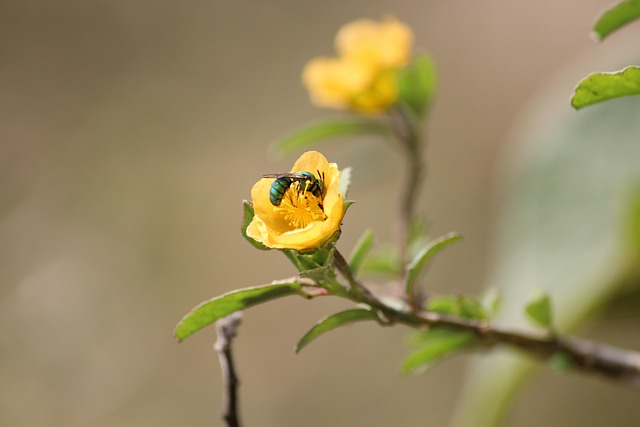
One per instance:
(209, 311)
(434, 345)
(599, 87)
(540, 312)
(619, 15)
(417, 84)
(247, 216)
(360, 251)
(424, 256)
(334, 321)
(311, 133)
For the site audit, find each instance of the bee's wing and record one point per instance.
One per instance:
(281, 175)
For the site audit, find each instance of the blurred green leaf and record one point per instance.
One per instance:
(616, 17)
(598, 87)
(472, 308)
(433, 345)
(539, 310)
(384, 261)
(630, 226)
(417, 236)
(561, 362)
(247, 217)
(417, 84)
(444, 304)
(564, 185)
(360, 251)
(424, 256)
(334, 321)
(458, 306)
(309, 134)
(209, 311)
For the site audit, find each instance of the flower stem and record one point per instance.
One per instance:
(405, 128)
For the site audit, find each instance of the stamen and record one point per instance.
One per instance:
(300, 207)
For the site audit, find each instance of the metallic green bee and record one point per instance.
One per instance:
(307, 182)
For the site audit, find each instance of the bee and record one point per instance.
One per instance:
(307, 182)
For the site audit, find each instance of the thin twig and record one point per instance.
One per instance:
(227, 328)
(612, 363)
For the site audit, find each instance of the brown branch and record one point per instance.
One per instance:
(590, 357)
(227, 328)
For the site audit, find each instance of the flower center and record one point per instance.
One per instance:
(299, 207)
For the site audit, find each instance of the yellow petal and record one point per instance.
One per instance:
(379, 44)
(332, 82)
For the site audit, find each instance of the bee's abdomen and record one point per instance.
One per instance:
(277, 190)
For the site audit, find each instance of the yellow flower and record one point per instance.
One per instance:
(303, 220)
(362, 77)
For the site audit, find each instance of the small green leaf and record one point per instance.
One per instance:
(433, 345)
(334, 321)
(247, 217)
(472, 308)
(539, 310)
(493, 302)
(598, 87)
(616, 17)
(424, 256)
(417, 234)
(630, 223)
(561, 362)
(309, 134)
(209, 311)
(360, 251)
(457, 305)
(383, 261)
(444, 304)
(417, 84)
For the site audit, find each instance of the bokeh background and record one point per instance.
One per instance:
(130, 132)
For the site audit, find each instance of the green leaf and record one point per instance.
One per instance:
(209, 311)
(247, 217)
(383, 261)
(433, 345)
(616, 17)
(360, 251)
(334, 321)
(561, 362)
(539, 310)
(309, 134)
(424, 256)
(598, 87)
(457, 305)
(417, 84)
(630, 223)
(472, 308)
(444, 304)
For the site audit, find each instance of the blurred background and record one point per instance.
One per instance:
(130, 132)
